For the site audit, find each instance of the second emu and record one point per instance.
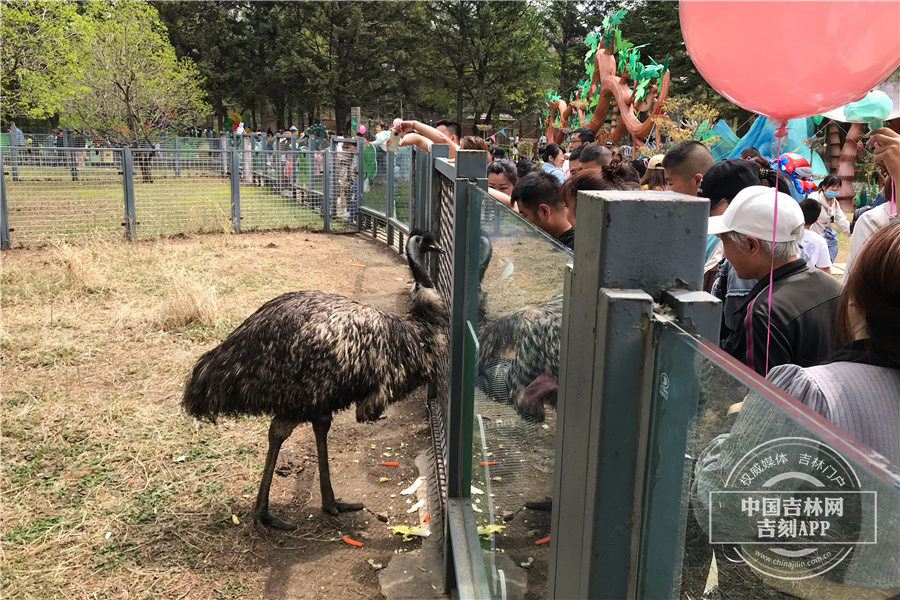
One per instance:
(306, 355)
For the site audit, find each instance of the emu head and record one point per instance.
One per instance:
(417, 246)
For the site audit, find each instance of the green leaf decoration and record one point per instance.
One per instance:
(591, 39)
(640, 91)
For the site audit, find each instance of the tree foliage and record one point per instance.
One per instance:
(658, 27)
(494, 54)
(38, 58)
(131, 82)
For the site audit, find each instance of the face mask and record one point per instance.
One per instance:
(830, 194)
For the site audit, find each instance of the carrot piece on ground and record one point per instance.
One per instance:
(542, 540)
(427, 517)
(352, 542)
(389, 464)
(489, 462)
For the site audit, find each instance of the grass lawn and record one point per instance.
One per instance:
(45, 209)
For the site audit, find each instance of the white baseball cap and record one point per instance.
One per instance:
(752, 212)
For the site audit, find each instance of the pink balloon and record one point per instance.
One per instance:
(362, 129)
(397, 121)
(792, 58)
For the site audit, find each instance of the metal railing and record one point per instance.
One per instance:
(69, 193)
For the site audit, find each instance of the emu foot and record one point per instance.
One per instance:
(338, 507)
(267, 519)
(545, 505)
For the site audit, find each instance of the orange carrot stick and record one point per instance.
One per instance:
(389, 464)
(352, 542)
(427, 517)
(542, 540)
(489, 462)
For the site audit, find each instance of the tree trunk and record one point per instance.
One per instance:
(845, 169)
(341, 116)
(459, 107)
(834, 146)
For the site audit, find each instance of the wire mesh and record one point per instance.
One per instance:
(282, 188)
(181, 191)
(343, 188)
(63, 194)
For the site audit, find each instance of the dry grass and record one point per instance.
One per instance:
(109, 490)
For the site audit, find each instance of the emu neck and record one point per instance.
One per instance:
(419, 273)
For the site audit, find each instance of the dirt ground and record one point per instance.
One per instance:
(111, 491)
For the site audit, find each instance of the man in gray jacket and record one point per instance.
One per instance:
(791, 322)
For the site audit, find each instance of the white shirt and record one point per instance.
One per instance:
(869, 223)
(814, 250)
(381, 139)
(830, 208)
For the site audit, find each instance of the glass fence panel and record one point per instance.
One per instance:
(402, 183)
(520, 315)
(776, 501)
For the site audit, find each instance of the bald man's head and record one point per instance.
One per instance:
(685, 165)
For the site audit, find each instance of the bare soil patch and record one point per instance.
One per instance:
(110, 491)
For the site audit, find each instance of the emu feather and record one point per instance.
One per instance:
(305, 355)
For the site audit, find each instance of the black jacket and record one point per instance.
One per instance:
(804, 303)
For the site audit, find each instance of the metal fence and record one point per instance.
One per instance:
(69, 193)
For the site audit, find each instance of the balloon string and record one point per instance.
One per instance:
(893, 196)
(779, 134)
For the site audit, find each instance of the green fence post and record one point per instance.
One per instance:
(327, 168)
(177, 156)
(4, 215)
(605, 397)
(128, 189)
(360, 146)
(235, 160)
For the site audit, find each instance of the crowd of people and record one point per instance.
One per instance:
(768, 257)
(833, 345)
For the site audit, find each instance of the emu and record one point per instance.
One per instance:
(306, 355)
(518, 356)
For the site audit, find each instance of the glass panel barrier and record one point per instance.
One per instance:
(402, 183)
(776, 501)
(520, 313)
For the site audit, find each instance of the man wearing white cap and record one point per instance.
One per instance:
(803, 300)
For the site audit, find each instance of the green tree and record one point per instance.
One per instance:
(494, 55)
(657, 25)
(38, 58)
(132, 83)
(206, 33)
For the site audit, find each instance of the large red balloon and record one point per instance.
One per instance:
(792, 58)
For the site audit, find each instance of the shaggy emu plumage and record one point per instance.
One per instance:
(305, 355)
(518, 356)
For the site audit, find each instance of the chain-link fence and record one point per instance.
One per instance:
(53, 193)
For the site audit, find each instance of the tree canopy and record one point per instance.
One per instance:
(148, 64)
(131, 83)
(38, 58)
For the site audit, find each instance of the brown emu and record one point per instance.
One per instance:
(305, 355)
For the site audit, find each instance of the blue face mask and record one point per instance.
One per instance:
(830, 194)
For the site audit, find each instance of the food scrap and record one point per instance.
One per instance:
(408, 532)
(352, 542)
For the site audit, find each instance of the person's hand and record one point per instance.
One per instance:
(405, 127)
(887, 149)
(736, 407)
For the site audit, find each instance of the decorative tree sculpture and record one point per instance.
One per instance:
(617, 82)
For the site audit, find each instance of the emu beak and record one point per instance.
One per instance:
(432, 247)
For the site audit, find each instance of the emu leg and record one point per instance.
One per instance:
(329, 503)
(279, 430)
